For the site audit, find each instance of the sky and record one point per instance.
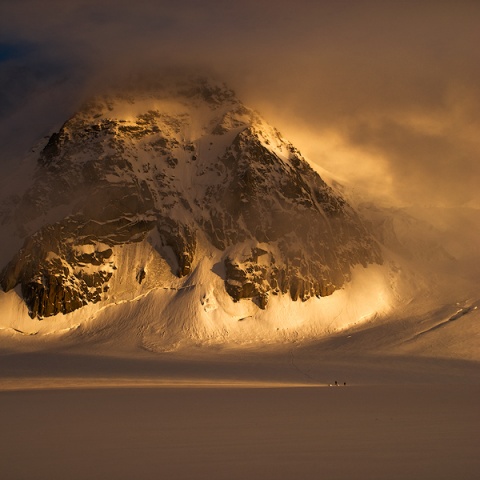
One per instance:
(383, 94)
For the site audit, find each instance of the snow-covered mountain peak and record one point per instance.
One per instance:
(140, 185)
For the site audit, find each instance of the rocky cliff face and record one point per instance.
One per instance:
(190, 164)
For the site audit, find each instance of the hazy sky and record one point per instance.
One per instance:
(384, 94)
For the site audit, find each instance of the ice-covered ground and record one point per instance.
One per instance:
(212, 389)
(96, 406)
(375, 432)
(239, 413)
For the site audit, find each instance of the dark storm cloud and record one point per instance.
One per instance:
(396, 84)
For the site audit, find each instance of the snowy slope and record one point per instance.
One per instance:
(173, 215)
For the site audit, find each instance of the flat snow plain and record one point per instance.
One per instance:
(226, 413)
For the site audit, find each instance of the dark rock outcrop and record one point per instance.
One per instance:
(57, 276)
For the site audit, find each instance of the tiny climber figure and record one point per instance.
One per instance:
(336, 383)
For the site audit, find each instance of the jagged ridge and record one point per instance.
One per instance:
(192, 163)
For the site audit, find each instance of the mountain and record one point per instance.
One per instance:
(142, 188)
(169, 213)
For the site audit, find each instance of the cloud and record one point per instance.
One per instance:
(380, 90)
